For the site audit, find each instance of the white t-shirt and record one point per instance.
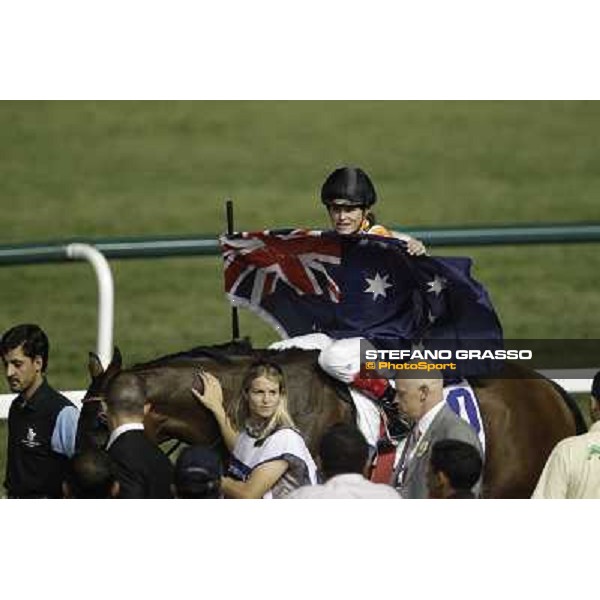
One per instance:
(283, 444)
(346, 486)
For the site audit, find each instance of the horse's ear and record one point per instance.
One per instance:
(115, 364)
(117, 359)
(94, 365)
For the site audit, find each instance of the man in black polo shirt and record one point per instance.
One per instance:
(42, 424)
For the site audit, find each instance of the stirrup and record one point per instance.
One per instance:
(396, 428)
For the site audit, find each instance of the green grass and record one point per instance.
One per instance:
(100, 169)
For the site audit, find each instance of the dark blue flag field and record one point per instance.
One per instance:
(304, 281)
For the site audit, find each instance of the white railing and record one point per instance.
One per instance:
(106, 297)
(106, 309)
(577, 382)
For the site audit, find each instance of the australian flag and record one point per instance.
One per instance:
(362, 285)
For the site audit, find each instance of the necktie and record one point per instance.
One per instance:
(407, 451)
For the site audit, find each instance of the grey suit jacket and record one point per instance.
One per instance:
(445, 425)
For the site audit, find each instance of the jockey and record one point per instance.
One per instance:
(349, 195)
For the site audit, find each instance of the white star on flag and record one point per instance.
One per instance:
(437, 285)
(420, 346)
(378, 285)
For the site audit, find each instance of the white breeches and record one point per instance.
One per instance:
(341, 360)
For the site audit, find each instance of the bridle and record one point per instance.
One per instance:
(101, 416)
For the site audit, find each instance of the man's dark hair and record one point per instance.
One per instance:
(343, 449)
(459, 461)
(198, 472)
(596, 386)
(91, 474)
(31, 337)
(126, 394)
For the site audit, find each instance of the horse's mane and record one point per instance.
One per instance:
(580, 425)
(221, 353)
(225, 353)
(228, 352)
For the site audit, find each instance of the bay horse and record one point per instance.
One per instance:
(524, 417)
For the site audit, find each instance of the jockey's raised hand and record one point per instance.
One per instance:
(414, 247)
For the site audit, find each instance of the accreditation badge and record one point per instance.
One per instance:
(422, 448)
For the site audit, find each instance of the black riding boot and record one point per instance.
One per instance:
(397, 427)
(383, 394)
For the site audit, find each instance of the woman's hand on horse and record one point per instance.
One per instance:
(212, 398)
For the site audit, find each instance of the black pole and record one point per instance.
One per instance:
(235, 320)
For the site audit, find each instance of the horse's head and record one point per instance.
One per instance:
(92, 429)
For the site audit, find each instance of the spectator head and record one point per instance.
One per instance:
(90, 474)
(343, 449)
(595, 398)
(125, 399)
(453, 466)
(24, 351)
(416, 395)
(263, 400)
(198, 473)
(32, 340)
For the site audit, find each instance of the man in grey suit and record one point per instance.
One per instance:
(421, 399)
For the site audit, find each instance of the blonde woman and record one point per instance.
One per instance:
(269, 458)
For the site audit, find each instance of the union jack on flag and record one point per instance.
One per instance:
(292, 258)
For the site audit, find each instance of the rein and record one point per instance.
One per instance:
(101, 414)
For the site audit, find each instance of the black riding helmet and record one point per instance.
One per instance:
(351, 184)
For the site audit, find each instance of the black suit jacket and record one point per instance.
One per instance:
(143, 471)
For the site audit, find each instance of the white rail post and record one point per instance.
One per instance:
(106, 297)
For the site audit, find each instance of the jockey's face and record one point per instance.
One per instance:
(346, 218)
(263, 397)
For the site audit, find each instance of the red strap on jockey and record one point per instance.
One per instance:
(383, 467)
(373, 388)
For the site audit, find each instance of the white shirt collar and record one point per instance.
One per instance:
(426, 420)
(121, 429)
